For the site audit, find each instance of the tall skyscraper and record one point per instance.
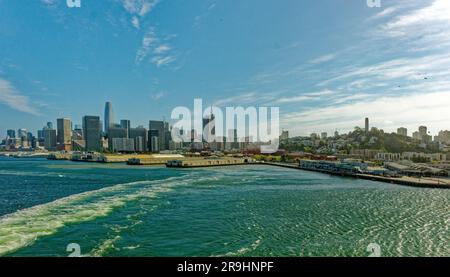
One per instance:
(109, 116)
(50, 125)
(160, 127)
(92, 133)
(140, 136)
(153, 137)
(64, 127)
(11, 134)
(49, 139)
(22, 134)
(116, 133)
(367, 125)
(126, 124)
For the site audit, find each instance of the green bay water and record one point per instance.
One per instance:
(257, 210)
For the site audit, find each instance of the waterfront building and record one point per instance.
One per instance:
(64, 128)
(167, 136)
(428, 156)
(50, 139)
(116, 132)
(153, 136)
(140, 136)
(402, 131)
(158, 126)
(109, 116)
(365, 153)
(122, 144)
(388, 157)
(92, 133)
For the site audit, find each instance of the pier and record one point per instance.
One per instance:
(402, 180)
(207, 162)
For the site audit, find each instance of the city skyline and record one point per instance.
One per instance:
(66, 124)
(134, 54)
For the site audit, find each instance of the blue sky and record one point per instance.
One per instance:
(326, 63)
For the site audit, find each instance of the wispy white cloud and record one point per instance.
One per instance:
(161, 60)
(422, 28)
(13, 98)
(138, 9)
(158, 95)
(386, 12)
(162, 49)
(246, 98)
(135, 22)
(323, 59)
(318, 95)
(158, 49)
(49, 2)
(148, 41)
(294, 99)
(410, 68)
(199, 18)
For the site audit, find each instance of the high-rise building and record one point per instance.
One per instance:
(160, 127)
(423, 130)
(367, 125)
(49, 139)
(116, 132)
(284, 135)
(154, 143)
(11, 134)
(443, 136)
(22, 134)
(126, 124)
(64, 126)
(109, 116)
(92, 133)
(122, 145)
(422, 135)
(50, 125)
(402, 131)
(209, 127)
(40, 134)
(140, 136)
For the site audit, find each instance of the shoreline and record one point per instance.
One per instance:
(404, 181)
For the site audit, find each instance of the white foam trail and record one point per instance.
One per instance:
(243, 250)
(23, 227)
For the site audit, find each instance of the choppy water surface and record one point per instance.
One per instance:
(116, 210)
